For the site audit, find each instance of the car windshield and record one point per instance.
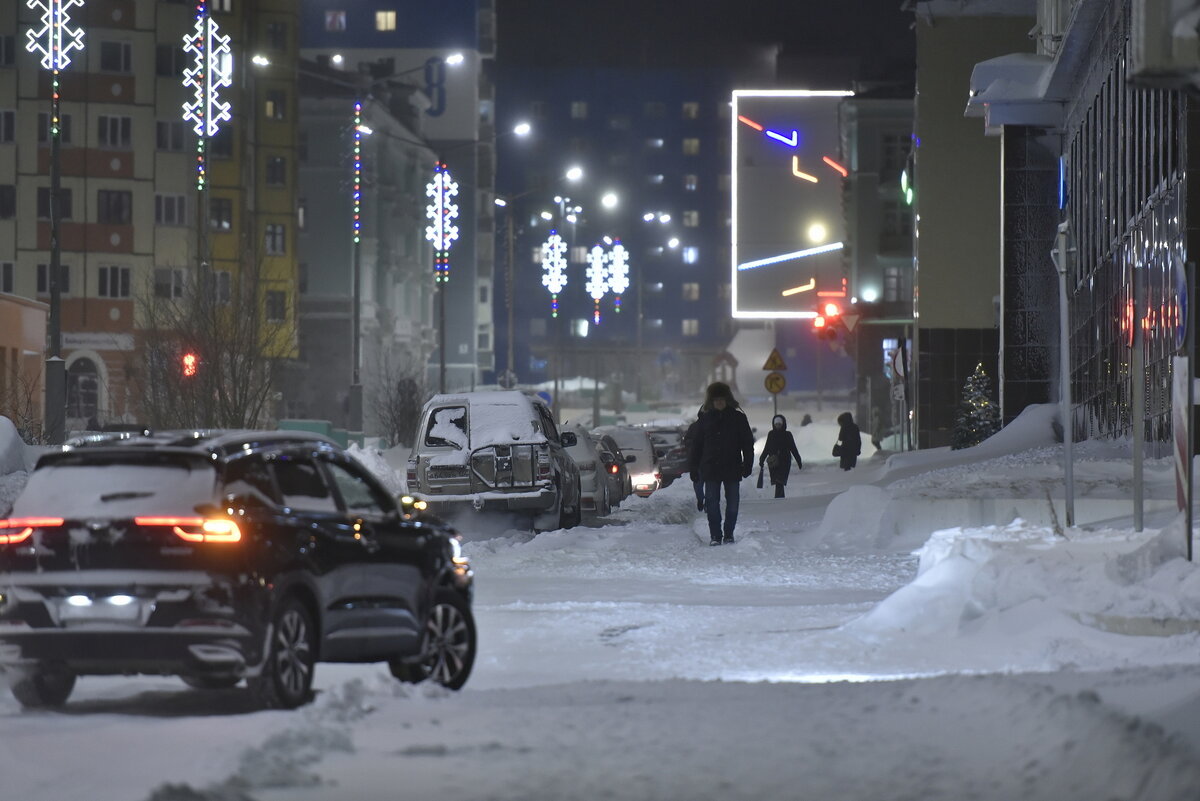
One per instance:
(118, 486)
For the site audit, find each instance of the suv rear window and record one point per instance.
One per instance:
(117, 485)
(447, 428)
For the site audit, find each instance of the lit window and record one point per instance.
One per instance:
(691, 146)
(579, 254)
(691, 111)
(691, 218)
(691, 183)
(385, 20)
(691, 254)
(656, 178)
(654, 143)
(691, 328)
(579, 327)
(335, 20)
(691, 291)
(276, 104)
(579, 110)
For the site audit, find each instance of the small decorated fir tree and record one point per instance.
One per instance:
(978, 418)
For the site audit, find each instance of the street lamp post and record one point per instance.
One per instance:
(442, 233)
(54, 41)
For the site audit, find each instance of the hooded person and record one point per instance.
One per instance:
(778, 452)
(688, 438)
(722, 454)
(849, 443)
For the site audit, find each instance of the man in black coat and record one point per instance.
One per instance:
(722, 455)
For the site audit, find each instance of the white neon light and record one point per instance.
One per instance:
(797, 254)
(597, 273)
(618, 269)
(55, 40)
(211, 71)
(554, 265)
(441, 210)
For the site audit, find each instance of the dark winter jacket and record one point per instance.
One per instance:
(782, 446)
(689, 440)
(723, 448)
(849, 439)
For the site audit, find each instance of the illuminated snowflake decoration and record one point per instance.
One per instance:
(56, 38)
(554, 268)
(441, 211)
(597, 275)
(211, 71)
(618, 272)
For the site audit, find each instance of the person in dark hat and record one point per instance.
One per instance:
(722, 454)
(849, 444)
(777, 453)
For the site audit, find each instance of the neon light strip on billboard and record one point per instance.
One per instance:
(796, 254)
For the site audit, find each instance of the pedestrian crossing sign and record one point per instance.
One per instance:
(774, 361)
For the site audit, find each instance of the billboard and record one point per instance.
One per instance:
(788, 226)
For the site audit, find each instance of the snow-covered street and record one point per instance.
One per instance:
(840, 649)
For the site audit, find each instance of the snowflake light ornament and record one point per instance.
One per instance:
(554, 268)
(597, 275)
(441, 211)
(55, 40)
(618, 272)
(211, 71)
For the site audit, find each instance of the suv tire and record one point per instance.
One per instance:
(44, 687)
(287, 673)
(447, 647)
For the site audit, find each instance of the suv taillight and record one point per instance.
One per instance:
(196, 529)
(19, 529)
(543, 462)
(410, 476)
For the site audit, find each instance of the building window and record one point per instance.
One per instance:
(483, 339)
(276, 306)
(43, 203)
(654, 178)
(691, 254)
(725, 291)
(170, 210)
(8, 201)
(691, 328)
(169, 61)
(654, 143)
(276, 171)
(114, 282)
(691, 111)
(483, 293)
(220, 214)
(893, 155)
(579, 110)
(8, 51)
(580, 327)
(579, 254)
(654, 110)
(301, 213)
(275, 239)
(537, 327)
(691, 183)
(116, 57)
(724, 182)
(221, 143)
(168, 282)
(114, 131)
(691, 146)
(691, 291)
(276, 104)
(691, 218)
(276, 34)
(335, 20)
(222, 286)
(83, 389)
(385, 20)
(64, 128)
(169, 135)
(225, 6)
(891, 284)
(897, 221)
(114, 207)
(8, 125)
(6, 277)
(64, 279)
(654, 323)
(619, 122)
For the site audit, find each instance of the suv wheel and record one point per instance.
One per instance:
(448, 647)
(44, 687)
(287, 674)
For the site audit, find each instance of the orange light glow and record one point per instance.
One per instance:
(796, 171)
(24, 527)
(818, 322)
(210, 530)
(845, 173)
(750, 122)
(832, 310)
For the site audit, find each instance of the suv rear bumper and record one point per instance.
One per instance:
(517, 501)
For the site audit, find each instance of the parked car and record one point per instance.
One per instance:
(643, 469)
(594, 487)
(616, 467)
(670, 450)
(495, 451)
(221, 557)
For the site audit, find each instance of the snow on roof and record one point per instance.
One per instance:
(14, 456)
(506, 416)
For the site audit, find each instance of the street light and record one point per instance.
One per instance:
(54, 41)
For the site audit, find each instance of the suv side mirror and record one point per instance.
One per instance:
(568, 439)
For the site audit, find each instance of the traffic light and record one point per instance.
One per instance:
(824, 328)
(831, 310)
(189, 363)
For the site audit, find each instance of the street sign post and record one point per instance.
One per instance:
(775, 382)
(774, 361)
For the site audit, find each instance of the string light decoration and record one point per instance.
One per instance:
(442, 211)
(554, 268)
(597, 275)
(618, 273)
(211, 71)
(55, 40)
(357, 172)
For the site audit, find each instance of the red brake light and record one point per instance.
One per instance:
(612, 468)
(196, 529)
(19, 529)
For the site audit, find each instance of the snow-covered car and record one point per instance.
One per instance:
(221, 557)
(669, 449)
(495, 451)
(595, 492)
(616, 468)
(643, 469)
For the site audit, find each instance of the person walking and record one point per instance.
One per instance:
(777, 453)
(849, 443)
(722, 455)
(688, 439)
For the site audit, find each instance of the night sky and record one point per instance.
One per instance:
(876, 33)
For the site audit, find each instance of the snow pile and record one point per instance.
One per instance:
(15, 463)
(378, 464)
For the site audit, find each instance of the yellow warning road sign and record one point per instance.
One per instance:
(774, 361)
(775, 382)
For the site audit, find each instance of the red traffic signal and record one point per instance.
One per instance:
(832, 309)
(190, 364)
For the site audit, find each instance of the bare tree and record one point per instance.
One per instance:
(21, 402)
(396, 395)
(237, 327)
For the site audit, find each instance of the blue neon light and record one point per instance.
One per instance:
(799, 254)
(1062, 182)
(792, 142)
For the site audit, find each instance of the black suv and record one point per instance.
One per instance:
(223, 556)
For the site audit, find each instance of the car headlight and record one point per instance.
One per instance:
(456, 551)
